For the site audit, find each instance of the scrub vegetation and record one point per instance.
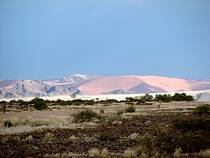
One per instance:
(162, 126)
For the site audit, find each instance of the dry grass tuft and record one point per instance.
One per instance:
(29, 138)
(205, 153)
(48, 138)
(105, 153)
(94, 153)
(129, 153)
(177, 153)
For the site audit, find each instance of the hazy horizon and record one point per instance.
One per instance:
(48, 39)
(99, 75)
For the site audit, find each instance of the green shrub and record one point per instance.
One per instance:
(166, 141)
(130, 99)
(204, 109)
(175, 97)
(77, 102)
(48, 138)
(130, 109)
(163, 98)
(8, 123)
(190, 133)
(141, 101)
(182, 97)
(192, 123)
(39, 104)
(84, 116)
(13, 139)
(3, 102)
(22, 102)
(136, 138)
(107, 136)
(107, 101)
(147, 97)
(71, 139)
(89, 102)
(191, 142)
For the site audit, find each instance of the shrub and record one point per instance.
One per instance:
(205, 153)
(182, 97)
(102, 111)
(163, 98)
(4, 139)
(3, 102)
(71, 139)
(175, 97)
(141, 152)
(89, 139)
(130, 99)
(8, 123)
(130, 109)
(22, 102)
(177, 153)
(204, 109)
(12, 102)
(147, 97)
(119, 112)
(141, 101)
(10, 139)
(84, 116)
(192, 123)
(94, 153)
(107, 102)
(39, 104)
(77, 102)
(29, 138)
(104, 153)
(136, 137)
(4, 108)
(193, 142)
(129, 153)
(48, 138)
(166, 141)
(39, 123)
(105, 136)
(89, 102)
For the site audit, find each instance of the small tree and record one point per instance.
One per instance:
(182, 97)
(39, 103)
(163, 98)
(147, 97)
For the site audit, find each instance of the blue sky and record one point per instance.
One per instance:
(44, 39)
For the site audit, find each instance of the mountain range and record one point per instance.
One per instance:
(93, 85)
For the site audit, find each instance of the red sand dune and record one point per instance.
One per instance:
(108, 84)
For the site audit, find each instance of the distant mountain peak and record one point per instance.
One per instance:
(78, 78)
(94, 84)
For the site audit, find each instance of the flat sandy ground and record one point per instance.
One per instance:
(61, 116)
(149, 130)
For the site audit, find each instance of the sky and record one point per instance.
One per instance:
(48, 39)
